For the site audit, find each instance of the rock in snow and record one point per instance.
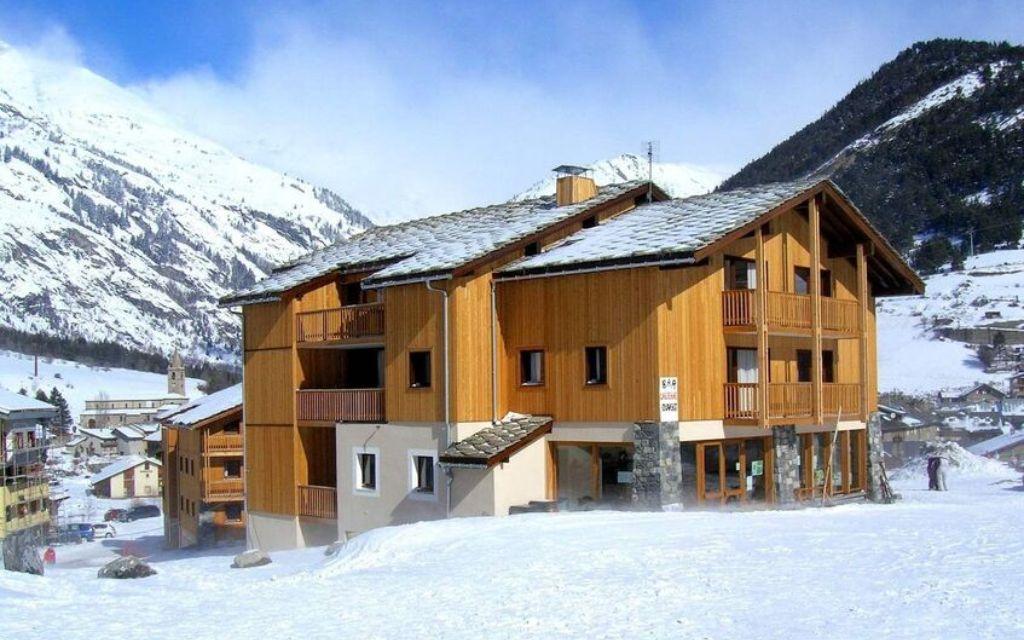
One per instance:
(251, 558)
(126, 568)
(118, 224)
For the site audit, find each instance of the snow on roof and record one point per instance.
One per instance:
(11, 402)
(670, 228)
(102, 434)
(997, 444)
(206, 407)
(122, 465)
(427, 246)
(77, 440)
(128, 433)
(156, 436)
(133, 411)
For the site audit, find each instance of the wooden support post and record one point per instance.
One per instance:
(862, 297)
(814, 242)
(762, 329)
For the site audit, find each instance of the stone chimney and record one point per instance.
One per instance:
(573, 185)
(176, 375)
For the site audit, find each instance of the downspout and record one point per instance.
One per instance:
(249, 530)
(447, 394)
(494, 352)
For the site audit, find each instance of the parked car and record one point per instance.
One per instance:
(142, 511)
(84, 530)
(104, 530)
(64, 535)
(114, 515)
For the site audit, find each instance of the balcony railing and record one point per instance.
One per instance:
(789, 311)
(318, 502)
(342, 323)
(790, 400)
(840, 396)
(224, 443)
(224, 489)
(340, 405)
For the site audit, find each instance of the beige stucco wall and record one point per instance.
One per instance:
(591, 432)
(522, 479)
(394, 501)
(271, 531)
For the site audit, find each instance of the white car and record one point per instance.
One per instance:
(104, 530)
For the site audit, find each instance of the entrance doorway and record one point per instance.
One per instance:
(587, 473)
(733, 471)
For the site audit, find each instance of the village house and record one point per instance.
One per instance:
(204, 470)
(1007, 447)
(128, 477)
(906, 433)
(109, 412)
(981, 398)
(92, 442)
(24, 491)
(604, 346)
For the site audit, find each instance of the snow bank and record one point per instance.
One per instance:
(961, 463)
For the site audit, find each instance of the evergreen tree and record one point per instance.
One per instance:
(41, 396)
(63, 421)
(23, 391)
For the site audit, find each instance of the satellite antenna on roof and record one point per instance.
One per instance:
(652, 149)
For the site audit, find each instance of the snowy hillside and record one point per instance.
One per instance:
(678, 180)
(78, 382)
(910, 359)
(117, 224)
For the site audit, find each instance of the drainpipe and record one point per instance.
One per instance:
(447, 394)
(494, 352)
(249, 529)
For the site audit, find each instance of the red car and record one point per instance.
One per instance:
(115, 515)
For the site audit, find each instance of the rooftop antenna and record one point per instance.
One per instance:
(652, 149)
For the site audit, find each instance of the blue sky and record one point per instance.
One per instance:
(421, 107)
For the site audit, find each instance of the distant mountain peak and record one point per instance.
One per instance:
(117, 224)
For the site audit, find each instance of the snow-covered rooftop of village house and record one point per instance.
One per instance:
(128, 433)
(101, 433)
(156, 436)
(120, 466)
(206, 407)
(996, 444)
(668, 228)
(11, 402)
(428, 245)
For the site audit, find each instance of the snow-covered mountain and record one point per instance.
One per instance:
(678, 180)
(118, 224)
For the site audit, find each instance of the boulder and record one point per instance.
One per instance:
(251, 558)
(126, 567)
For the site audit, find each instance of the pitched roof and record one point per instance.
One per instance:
(201, 409)
(427, 246)
(495, 444)
(997, 444)
(102, 433)
(664, 229)
(680, 230)
(122, 465)
(128, 433)
(11, 402)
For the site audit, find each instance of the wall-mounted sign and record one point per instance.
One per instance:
(756, 467)
(668, 399)
(624, 477)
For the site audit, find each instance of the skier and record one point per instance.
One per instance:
(50, 556)
(933, 473)
(940, 474)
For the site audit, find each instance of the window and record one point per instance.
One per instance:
(232, 468)
(531, 367)
(365, 470)
(801, 280)
(233, 511)
(419, 369)
(740, 273)
(828, 366)
(421, 473)
(590, 223)
(234, 427)
(531, 249)
(803, 365)
(597, 365)
(352, 293)
(741, 365)
(826, 283)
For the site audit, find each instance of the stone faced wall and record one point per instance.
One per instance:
(657, 470)
(786, 470)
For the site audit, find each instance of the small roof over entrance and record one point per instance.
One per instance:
(498, 443)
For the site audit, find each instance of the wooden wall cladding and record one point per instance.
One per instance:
(269, 392)
(413, 323)
(268, 325)
(271, 453)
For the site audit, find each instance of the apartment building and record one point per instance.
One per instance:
(203, 486)
(600, 347)
(24, 491)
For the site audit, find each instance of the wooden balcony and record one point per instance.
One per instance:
(224, 444)
(353, 323)
(226, 489)
(327, 406)
(789, 402)
(318, 502)
(788, 313)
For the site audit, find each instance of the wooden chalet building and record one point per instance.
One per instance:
(203, 485)
(601, 346)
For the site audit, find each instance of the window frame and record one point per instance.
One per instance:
(414, 490)
(430, 368)
(357, 472)
(588, 380)
(543, 365)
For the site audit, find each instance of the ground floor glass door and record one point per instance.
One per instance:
(593, 474)
(733, 471)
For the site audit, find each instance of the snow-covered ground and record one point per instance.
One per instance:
(78, 382)
(911, 360)
(933, 565)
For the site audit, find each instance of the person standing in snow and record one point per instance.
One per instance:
(940, 474)
(933, 473)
